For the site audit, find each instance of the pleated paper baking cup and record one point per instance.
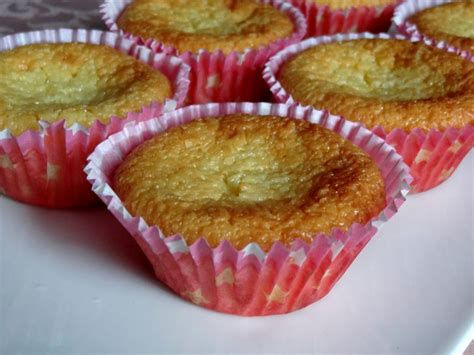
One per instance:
(249, 281)
(45, 167)
(322, 20)
(403, 25)
(432, 156)
(215, 76)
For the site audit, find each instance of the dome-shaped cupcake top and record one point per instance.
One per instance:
(248, 178)
(77, 82)
(451, 22)
(191, 25)
(389, 82)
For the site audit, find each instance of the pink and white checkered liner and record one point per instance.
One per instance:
(432, 156)
(45, 167)
(249, 281)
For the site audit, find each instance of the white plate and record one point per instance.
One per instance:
(74, 281)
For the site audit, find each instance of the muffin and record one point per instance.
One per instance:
(389, 85)
(325, 17)
(191, 25)
(438, 23)
(247, 179)
(449, 22)
(77, 82)
(59, 99)
(226, 42)
(392, 83)
(246, 192)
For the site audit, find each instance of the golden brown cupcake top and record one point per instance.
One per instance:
(75, 81)
(191, 25)
(387, 82)
(450, 22)
(247, 179)
(346, 4)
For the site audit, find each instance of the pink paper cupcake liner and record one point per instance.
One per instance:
(249, 281)
(322, 20)
(215, 76)
(45, 167)
(407, 9)
(432, 156)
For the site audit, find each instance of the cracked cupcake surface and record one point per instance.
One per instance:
(73, 81)
(449, 22)
(246, 178)
(191, 25)
(387, 82)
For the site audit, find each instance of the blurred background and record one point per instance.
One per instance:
(28, 15)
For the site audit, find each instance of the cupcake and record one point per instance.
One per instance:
(226, 42)
(249, 209)
(417, 96)
(192, 25)
(61, 93)
(325, 17)
(250, 178)
(79, 82)
(439, 21)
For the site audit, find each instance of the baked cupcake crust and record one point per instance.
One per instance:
(246, 178)
(450, 22)
(388, 82)
(77, 82)
(347, 4)
(191, 25)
